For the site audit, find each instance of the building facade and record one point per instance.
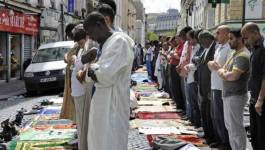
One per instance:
(231, 13)
(140, 22)
(131, 19)
(167, 22)
(25, 24)
(151, 21)
(19, 27)
(201, 14)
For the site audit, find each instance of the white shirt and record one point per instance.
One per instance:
(220, 56)
(150, 53)
(191, 66)
(77, 88)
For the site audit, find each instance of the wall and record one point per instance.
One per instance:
(118, 17)
(124, 16)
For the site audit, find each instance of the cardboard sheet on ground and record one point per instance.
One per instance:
(155, 109)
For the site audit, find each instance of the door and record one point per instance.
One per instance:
(15, 56)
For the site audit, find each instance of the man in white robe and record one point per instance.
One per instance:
(110, 106)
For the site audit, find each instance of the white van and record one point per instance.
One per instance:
(47, 68)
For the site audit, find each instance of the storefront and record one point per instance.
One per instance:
(18, 34)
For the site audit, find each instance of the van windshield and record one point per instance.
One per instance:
(50, 54)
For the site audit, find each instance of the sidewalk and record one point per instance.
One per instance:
(12, 88)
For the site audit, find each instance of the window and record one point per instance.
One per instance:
(53, 6)
(40, 3)
(50, 54)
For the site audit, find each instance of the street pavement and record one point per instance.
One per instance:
(8, 109)
(12, 88)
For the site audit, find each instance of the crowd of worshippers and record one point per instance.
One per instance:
(209, 76)
(97, 80)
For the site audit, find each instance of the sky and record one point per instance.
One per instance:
(158, 6)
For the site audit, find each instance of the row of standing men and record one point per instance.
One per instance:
(209, 77)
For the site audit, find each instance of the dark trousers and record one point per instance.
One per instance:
(183, 91)
(194, 104)
(218, 118)
(175, 87)
(168, 72)
(165, 78)
(149, 68)
(207, 122)
(257, 128)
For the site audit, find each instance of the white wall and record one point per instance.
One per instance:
(118, 18)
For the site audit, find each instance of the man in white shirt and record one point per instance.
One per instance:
(192, 87)
(220, 57)
(110, 107)
(78, 89)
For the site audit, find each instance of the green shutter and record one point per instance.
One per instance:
(225, 1)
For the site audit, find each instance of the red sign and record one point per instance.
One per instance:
(16, 22)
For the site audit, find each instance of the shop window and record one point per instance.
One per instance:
(53, 6)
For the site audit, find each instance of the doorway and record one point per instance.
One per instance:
(15, 56)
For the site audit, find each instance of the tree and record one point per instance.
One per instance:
(152, 36)
(170, 34)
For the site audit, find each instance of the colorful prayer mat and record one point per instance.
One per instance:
(157, 115)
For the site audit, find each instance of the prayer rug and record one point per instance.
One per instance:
(157, 115)
(46, 135)
(155, 109)
(193, 139)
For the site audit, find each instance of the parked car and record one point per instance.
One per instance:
(47, 68)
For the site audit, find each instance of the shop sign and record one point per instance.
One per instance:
(16, 22)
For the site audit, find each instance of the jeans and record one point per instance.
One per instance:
(149, 68)
(194, 104)
(218, 118)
